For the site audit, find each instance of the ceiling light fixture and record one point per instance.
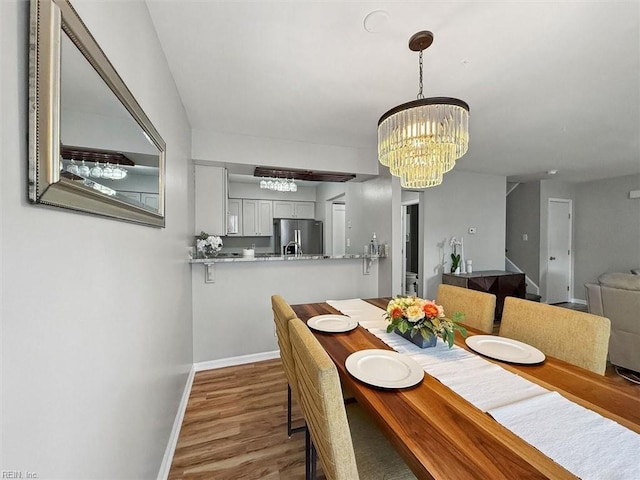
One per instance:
(279, 185)
(421, 140)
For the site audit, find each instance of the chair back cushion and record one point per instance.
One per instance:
(282, 314)
(578, 338)
(322, 404)
(479, 308)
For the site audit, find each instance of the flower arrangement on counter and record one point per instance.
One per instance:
(207, 245)
(423, 317)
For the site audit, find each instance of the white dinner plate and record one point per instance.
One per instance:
(332, 323)
(384, 368)
(505, 349)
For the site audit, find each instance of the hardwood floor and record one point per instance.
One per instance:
(235, 426)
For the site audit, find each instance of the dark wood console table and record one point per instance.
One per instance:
(500, 283)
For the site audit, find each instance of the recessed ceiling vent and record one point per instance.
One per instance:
(309, 175)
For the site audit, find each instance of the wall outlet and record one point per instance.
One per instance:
(348, 242)
(472, 230)
(525, 237)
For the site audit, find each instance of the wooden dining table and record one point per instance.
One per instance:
(440, 435)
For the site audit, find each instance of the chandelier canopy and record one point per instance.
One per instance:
(421, 140)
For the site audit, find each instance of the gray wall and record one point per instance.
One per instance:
(463, 200)
(379, 203)
(96, 314)
(523, 217)
(607, 229)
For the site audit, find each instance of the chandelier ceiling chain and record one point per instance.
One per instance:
(421, 140)
(420, 95)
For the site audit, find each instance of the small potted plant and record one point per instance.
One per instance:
(422, 321)
(455, 256)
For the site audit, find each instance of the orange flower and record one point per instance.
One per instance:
(430, 310)
(396, 312)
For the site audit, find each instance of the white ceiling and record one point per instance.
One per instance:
(551, 85)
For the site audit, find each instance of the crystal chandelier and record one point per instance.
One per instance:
(279, 185)
(421, 140)
(110, 172)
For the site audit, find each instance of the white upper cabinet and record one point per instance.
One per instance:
(211, 200)
(234, 217)
(257, 218)
(150, 200)
(289, 209)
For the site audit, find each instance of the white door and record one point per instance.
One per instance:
(559, 259)
(338, 232)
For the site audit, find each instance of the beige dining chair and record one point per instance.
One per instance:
(282, 313)
(479, 308)
(578, 338)
(351, 448)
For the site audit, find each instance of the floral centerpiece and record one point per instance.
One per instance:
(413, 316)
(207, 245)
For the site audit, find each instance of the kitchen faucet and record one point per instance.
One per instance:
(297, 248)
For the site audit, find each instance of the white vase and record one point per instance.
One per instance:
(457, 272)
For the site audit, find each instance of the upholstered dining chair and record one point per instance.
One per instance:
(479, 308)
(282, 313)
(351, 448)
(578, 338)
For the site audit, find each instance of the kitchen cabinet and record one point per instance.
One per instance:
(289, 209)
(257, 218)
(234, 217)
(150, 200)
(211, 200)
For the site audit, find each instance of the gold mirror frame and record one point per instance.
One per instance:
(49, 18)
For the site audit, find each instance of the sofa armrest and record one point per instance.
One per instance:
(594, 299)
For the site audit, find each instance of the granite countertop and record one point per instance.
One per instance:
(271, 257)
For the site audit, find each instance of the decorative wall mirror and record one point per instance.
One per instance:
(91, 146)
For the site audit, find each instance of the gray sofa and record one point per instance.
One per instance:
(617, 297)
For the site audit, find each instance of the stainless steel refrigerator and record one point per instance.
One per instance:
(297, 236)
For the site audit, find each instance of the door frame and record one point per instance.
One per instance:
(403, 244)
(571, 255)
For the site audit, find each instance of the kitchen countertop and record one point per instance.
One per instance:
(270, 257)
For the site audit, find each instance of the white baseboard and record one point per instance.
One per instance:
(578, 301)
(232, 361)
(163, 474)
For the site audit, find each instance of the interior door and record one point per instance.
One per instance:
(338, 231)
(559, 250)
(403, 223)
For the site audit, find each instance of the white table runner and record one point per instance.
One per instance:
(582, 441)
